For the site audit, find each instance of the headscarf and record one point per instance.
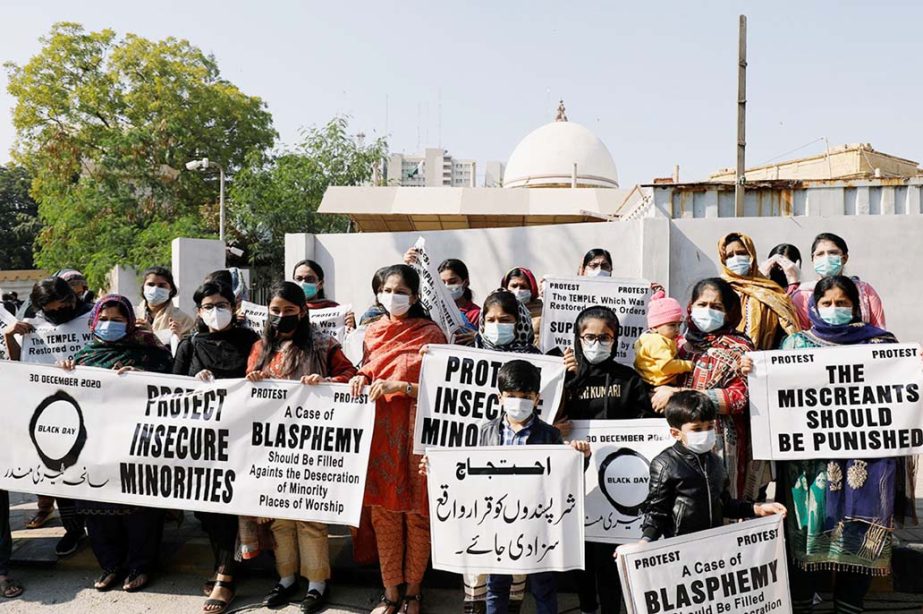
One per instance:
(533, 286)
(138, 348)
(523, 336)
(856, 332)
(763, 294)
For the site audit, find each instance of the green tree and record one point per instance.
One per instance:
(280, 194)
(105, 125)
(19, 222)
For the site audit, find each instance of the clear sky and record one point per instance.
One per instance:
(655, 80)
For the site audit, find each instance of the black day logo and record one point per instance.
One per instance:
(57, 431)
(623, 477)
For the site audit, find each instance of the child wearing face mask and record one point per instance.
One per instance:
(688, 482)
(656, 349)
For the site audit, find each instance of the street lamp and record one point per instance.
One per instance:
(203, 165)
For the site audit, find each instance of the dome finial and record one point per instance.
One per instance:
(561, 115)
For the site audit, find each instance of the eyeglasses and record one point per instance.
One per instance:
(604, 339)
(212, 306)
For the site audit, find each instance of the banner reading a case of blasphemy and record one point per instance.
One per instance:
(739, 568)
(506, 509)
(275, 449)
(330, 321)
(458, 393)
(619, 473)
(855, 401)
(563, 298)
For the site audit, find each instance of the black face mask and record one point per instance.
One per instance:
(61, 315)
(284, 324)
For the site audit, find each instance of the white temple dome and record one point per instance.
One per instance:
(545, 158)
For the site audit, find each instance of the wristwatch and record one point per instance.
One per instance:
(408, 390)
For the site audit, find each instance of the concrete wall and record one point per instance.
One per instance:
(193, 259)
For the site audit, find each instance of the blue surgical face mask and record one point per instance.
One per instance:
(110, 330)
(828, 265)
(706, 319)
(309, 289)
(456, 291)
(739, 265)
(836, 316)
(499, 333)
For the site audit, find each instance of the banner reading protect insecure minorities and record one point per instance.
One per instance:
(276, 449)
(858, 401)
(434, 296)
(737, 569)
(618, 475)
(506, 509)
(51, 344)
(565, 297)
(458, 393)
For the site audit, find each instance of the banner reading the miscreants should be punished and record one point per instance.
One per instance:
(458, 393)
(276, 449)
(563, 298)
(506, 509)
(617, 479)
(855, 401)
(736, 569)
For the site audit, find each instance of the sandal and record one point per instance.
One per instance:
(217, 606)
(208, 586)
(10, 588)
(390, 607)
(106, 580)
(39, 520)
(135, 581)
(410, 599)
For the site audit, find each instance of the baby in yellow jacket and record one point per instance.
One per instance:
(655, 350)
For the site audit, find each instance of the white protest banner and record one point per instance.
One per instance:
(740, 568)
(50, 344)
(330, 321)
(850, 401)
(565, 297)
(276, 449)
(434, 296)
(506, 509)
(6, 319)
(354, 345)
(458, 393)
(618, 475)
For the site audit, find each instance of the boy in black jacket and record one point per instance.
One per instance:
(689, 484)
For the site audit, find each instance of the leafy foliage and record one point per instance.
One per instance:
(19, 222)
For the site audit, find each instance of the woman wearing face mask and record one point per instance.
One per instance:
(521, 282)
(454, 275)
(505, 325)
(55, 304)
(310, 276)
(599, 388)
(291, 349)
(829, 254)
(156, 310)
(596, 263)
(125, 539)
(393, 489)
(716, 347)
(217, 350)
(768, 311)
(843, 524)
(783, 267)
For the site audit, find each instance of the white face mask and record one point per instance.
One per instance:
(500, 333)
(707, 319)
(155, 295)
(597, 351)
(394, 304)
(700, 442)
(596, 272)
(523, 295)
(216, 319)
(518, 409)
(457, 291)
(739, 264)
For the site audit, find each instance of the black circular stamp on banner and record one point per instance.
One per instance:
(623, 479)
(57, 431)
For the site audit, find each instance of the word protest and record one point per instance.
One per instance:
(737, 569)
(51, 344)
(275, 449)
(506, 509)
(458, 393)
(330, 321)
(859, 401)
(619, 472)
(565, 297)
(434, 296)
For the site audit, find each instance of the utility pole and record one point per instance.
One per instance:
(741, 117)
